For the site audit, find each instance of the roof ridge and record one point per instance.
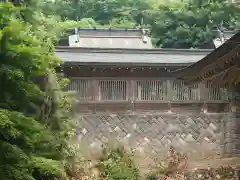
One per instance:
(105, 28)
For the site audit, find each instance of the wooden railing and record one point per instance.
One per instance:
(145, 90)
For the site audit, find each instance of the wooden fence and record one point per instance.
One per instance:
(145, 90)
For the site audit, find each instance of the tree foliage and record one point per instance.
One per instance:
(192, 25)
(34, 111)
(36, 116)
(174, 23)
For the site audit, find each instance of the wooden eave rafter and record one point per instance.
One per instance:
(224, 64)
(221, 60)
(228, 77)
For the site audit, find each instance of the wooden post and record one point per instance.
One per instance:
(131, 93)
(132, 89)
(139, 89)
(128, 89)
(95, 90)
(169, 90)
(203, 95)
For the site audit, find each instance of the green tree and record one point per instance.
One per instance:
(191, 25)
(34, 111)
(174, 24)
(102, 11)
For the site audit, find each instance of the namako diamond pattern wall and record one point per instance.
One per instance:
(198, 135)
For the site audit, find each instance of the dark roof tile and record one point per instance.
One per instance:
(148, 56)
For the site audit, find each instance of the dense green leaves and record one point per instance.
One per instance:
(191, 25)
(174, 23)
(103, 11)
(23, 143)
(35, 114)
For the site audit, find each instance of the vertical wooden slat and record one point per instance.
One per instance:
(113, 89)
(82, 88)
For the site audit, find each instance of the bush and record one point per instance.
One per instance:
(222, 173)
(117, 164)
(112, 164)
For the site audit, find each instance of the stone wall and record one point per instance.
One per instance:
(232, 132)
(199, 135)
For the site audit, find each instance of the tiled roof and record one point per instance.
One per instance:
(110, 38)
(146, 56)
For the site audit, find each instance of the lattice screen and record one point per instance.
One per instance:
(146, 90)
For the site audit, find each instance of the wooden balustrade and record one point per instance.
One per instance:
(145, 90)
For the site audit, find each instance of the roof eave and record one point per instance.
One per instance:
(130, 64)
(191, 72)
(125, 50)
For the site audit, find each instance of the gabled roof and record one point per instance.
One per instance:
(119, 56)
(112, 38)
(106, 29)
